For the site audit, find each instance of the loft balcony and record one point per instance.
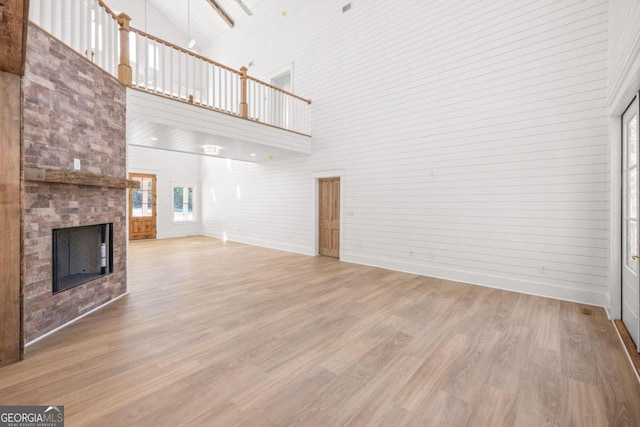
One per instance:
(179, 100)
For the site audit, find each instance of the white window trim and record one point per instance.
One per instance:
(195, 203)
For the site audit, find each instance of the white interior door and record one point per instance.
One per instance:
(631, 247)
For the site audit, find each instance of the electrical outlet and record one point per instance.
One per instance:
(76, 164)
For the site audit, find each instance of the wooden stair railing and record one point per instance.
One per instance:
(146, 62)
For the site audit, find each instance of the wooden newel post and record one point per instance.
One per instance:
(244, 107)
(124, 67)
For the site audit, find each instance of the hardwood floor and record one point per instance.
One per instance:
(233, 335)
(629, 345)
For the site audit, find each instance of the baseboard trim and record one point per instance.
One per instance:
(496, 282)
(75, 320)
(280, 246)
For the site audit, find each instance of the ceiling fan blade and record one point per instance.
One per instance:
(244, 7)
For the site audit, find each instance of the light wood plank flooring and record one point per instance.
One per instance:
(216, 334)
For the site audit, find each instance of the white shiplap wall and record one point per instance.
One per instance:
(170, 168)
(624, 41)
(471, 138)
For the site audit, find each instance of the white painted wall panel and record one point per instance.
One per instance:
(624, 40)
(169, 168)
(472, 136)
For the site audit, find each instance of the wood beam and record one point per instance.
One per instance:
(14, 19)
(223, 14)
(10, 216)
(77, 178)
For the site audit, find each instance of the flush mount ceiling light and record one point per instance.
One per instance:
(212, 150)
(224, 15)
(244, 7)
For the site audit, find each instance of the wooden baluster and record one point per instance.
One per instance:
(124, 68)
(244, 107)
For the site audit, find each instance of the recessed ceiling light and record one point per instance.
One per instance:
(212, 150)
(153, 138)
(253, 154)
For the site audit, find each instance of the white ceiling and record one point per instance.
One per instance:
(199, 19)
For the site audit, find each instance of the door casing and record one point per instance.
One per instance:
(153, 218)
(632, 325)
(316, 176)
(327, 199)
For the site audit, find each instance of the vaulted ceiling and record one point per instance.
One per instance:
(199, 19)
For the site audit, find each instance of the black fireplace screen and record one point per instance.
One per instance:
(81, 254)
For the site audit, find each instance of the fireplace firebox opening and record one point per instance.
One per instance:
(81, 254)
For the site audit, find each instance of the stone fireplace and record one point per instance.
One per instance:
(73, 112)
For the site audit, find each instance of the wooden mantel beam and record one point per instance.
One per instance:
(77, 178)
(14, 19)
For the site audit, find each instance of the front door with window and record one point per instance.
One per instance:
(142, 207)
(630, 201)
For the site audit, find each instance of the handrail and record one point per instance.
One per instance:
(211, 61)
(165, 69)
(176, 47)
(107, 9)
(149, 63)
(293, 95)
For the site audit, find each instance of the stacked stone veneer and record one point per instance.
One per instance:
(72, 110)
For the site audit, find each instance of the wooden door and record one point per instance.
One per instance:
(329, 231)
(142, 207)
(630, 217)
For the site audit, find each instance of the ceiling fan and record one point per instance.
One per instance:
(244, 7)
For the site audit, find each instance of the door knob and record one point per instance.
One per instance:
(635, 257)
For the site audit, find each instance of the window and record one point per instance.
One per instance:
(142, 198)
(183, 202)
